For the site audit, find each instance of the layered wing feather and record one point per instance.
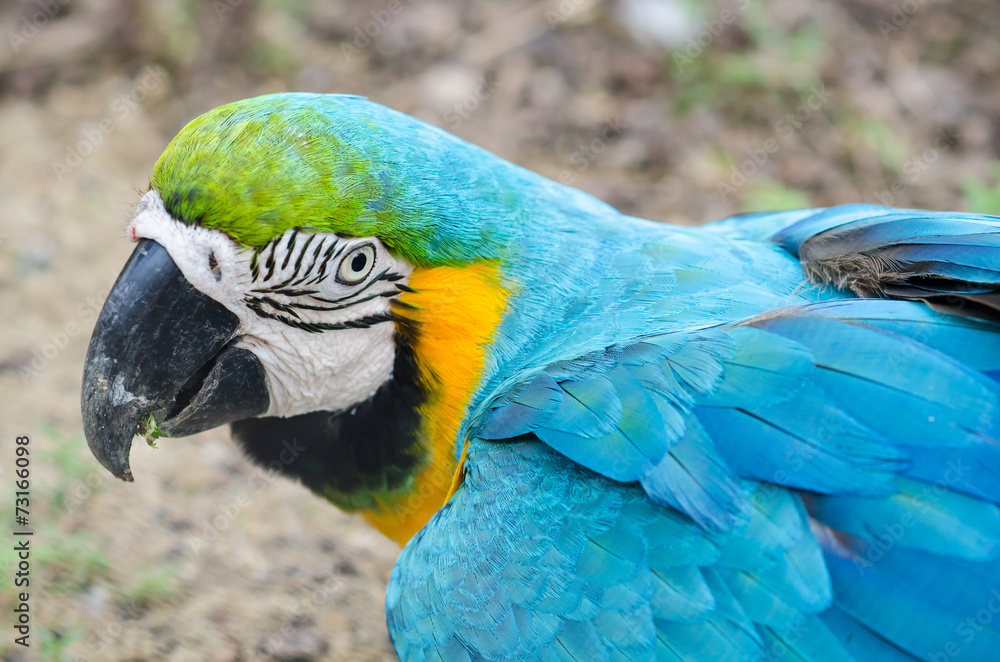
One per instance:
(816, 481)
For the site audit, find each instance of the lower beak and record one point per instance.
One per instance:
(163, 349)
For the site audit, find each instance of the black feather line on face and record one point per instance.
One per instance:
(294, 279)
(289, 249)
(254, 271)
(277, 305)
(268, 307)
(349, 457)
(288, 292)
(257, 306)
(269, 262)
(382, 276)
(302, 254)
(305, 306)
(312, 264)
(329, 255)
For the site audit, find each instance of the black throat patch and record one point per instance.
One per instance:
(349, 456)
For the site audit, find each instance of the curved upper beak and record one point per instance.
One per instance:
(163, 348)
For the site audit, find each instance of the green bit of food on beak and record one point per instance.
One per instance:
(149, 430)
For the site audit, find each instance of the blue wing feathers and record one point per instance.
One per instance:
(694, 479)
(891, 609)
(806, 443)
(958, 585)
(920, 516)
(860, 227)
(765, 369)
(704, 456)
(974, 344)
(808, 640)
(680, 594)
(776, 569)
(859, 641)
(593, 408)
(777, 525)
(727, 634)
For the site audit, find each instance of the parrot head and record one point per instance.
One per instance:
(325, 275)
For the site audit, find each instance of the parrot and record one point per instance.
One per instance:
(596, 437)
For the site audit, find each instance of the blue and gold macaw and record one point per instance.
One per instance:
(599, 438)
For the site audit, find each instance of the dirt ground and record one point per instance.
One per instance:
(676, 111)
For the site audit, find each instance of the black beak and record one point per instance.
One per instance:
(162, 348)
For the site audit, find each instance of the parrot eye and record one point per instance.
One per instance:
(356, 265)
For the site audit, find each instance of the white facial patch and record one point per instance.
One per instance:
(313, 307)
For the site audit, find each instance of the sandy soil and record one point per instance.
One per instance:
(675, 119)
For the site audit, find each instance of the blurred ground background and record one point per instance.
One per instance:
(676, 111)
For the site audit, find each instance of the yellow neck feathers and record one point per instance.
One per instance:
(456, 311)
